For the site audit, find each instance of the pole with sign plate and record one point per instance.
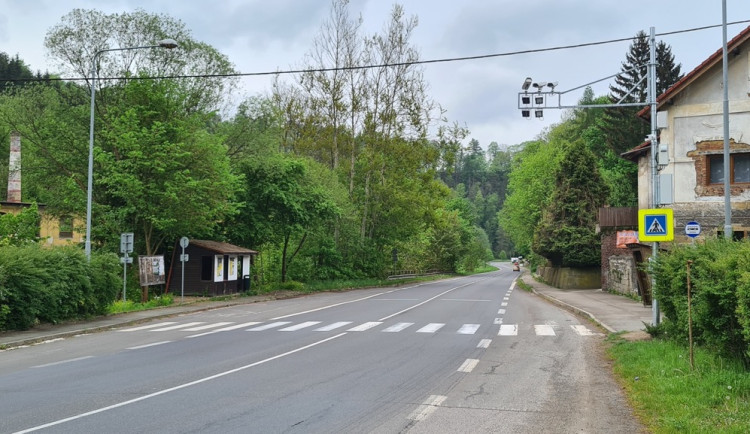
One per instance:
(184, 241)
(126, 246)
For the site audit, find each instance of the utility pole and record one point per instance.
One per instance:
(536, 101)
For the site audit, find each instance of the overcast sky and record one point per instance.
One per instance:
(269, 35)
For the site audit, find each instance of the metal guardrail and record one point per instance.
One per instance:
(406, 274)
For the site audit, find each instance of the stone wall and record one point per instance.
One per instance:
(622, 276)
(571, 278)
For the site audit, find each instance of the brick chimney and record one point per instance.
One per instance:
(14, 168)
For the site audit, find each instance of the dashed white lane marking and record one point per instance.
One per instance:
(468, 365)
(365, 326)
(398, 327)
(484, 343)
(146, 327)
(427, 407)
(498, 321)
(333, 326)
(300, 326)
(504, 304)
(501, 312)
(508, 330)
(544, 330)
(269, 326)
(431, 328)
(468, 329)
(149, 345)
(177, 326)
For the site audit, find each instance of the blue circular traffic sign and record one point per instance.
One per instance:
(692, 229)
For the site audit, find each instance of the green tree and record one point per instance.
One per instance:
(623, 129)
(566, 234)
(281, 204)
(19, 229)
(530, 187)
(161, 175)
(72, 43)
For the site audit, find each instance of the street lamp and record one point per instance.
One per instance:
(164, 43)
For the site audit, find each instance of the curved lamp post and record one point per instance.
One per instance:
(165, 43)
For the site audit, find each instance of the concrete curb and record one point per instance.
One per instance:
(567, 306)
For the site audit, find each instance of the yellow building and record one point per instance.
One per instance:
(52, 230)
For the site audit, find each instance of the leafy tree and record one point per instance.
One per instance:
(163, 176)
(566, 234)
(81, 33)
(19, 229)
(530, 187)
(282, 203)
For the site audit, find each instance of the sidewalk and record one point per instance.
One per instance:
(615, 313)
(46, 332)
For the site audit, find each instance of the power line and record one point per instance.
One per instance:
(382, 65)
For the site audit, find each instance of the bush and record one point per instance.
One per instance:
(52, 285)
(720, 280)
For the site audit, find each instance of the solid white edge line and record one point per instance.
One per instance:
(175, 388)
(62, 362)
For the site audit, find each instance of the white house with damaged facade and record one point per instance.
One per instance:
(690, 119)
(690, 123)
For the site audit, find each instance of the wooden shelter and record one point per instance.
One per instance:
(213, 268)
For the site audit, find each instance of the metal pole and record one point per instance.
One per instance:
(182, 282)
(90, 182)
(654, 173)
(727, 174)
(165, 43)
(124, 277)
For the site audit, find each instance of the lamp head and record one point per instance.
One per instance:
(167, 43)
(526, 83)
(540, 85)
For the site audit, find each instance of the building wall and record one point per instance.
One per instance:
(694, 131)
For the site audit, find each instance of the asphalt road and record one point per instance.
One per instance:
(460, 355)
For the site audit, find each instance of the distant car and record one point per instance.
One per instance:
(513, 260)
(516, 266)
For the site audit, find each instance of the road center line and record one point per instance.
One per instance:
(427, 301)
(181, 386)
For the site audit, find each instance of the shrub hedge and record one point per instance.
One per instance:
(49, 285)
(720, 290)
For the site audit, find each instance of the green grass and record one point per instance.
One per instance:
(670, 397)
(131, 306)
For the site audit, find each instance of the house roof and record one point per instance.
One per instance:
(699, 70)
(633, 154)
(222, 248)
(683, 83)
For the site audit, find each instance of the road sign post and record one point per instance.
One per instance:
(184, 242)
(126, 246)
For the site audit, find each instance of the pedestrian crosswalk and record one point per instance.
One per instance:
(206, 328)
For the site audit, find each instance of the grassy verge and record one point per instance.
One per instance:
(670, 397)
(131, 306)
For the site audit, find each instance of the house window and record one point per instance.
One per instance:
(739, 167)
(66, 227)
(207, 268)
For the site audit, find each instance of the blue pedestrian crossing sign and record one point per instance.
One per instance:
(655, 224)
